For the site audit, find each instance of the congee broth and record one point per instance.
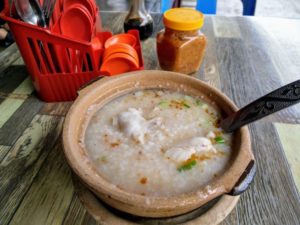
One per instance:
(157, 142)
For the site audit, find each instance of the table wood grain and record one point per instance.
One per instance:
(246, 58)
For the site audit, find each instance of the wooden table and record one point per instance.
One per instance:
(246, 58)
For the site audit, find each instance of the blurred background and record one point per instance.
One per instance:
(268, 8)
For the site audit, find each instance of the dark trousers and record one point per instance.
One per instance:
(1, 8)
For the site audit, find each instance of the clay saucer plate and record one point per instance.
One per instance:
(213, 213)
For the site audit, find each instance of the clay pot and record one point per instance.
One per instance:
(234, 180)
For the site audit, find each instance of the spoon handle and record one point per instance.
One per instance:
(276, 100)
(39, 13)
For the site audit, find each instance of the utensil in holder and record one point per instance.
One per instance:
(56, 75)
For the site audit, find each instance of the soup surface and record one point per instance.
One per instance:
(157, 142)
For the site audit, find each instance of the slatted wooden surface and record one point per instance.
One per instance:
(246, 58)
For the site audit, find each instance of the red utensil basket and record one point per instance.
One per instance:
(55, 75)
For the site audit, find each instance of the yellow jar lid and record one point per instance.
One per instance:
(183, 19)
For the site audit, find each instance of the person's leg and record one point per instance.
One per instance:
(6, 37)
(3, 33)
(6, 27)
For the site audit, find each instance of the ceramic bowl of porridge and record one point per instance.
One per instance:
(149, 143)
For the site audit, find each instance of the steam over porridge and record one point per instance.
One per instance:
(157, 143)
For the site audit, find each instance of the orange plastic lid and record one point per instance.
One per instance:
(88, 4)
(120, 48)
(183, 19)
(121, 38)
(119, 63)
(77, 18)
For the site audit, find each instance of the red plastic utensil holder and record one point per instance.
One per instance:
(54, 78)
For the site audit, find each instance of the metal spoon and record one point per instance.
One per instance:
(279, 99)
(48, 7)
(30, 12)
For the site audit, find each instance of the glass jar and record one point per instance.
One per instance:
(181, 45)
(138, 18)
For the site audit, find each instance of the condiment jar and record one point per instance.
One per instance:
(181, 45)
(138, 18)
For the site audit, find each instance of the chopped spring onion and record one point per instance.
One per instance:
(219, 140)
(163, 104)
(198, 102)
(186, 105)
(187, 166)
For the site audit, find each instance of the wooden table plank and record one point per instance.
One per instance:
(8, 107)
(272, 198)
(50, 194)
(289, 136)
(287, 63)
(88, 219)
(232, 218)
(269, 63)
(19, 121)
(266, 198)
(210, 62)
(76, 213)
(233, 70)
(56, 109)
(25, 88)
(226, 27)
(241, 80)
(12, 76)
(22, 163)
(14, 100)
(3, 151)
(282, 38)
(7, 56)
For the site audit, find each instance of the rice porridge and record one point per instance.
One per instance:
(157, 142)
